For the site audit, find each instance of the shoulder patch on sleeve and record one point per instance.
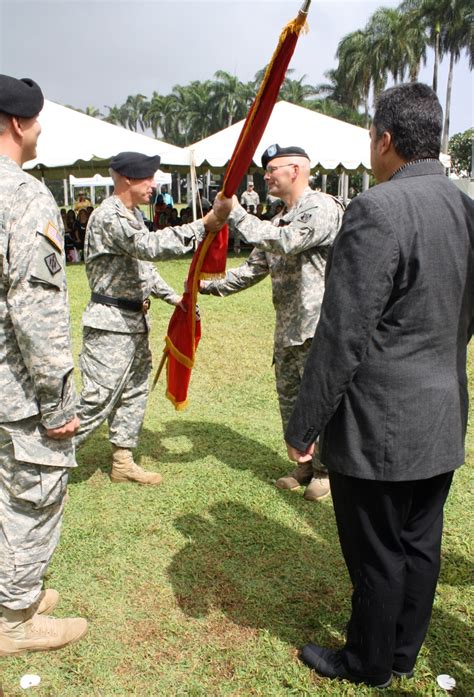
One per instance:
(48, 266)
(52, 263)
(52, 234)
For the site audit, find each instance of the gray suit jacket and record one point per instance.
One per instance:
(386, 376)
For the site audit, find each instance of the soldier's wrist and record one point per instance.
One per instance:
(58, 418)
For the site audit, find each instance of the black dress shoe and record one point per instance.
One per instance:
(328, 663)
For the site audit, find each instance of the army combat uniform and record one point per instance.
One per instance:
(36, 383)
(116, 359)
(293, 249)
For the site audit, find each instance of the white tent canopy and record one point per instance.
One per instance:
(98, 180)
(69, 137)
(330, 143)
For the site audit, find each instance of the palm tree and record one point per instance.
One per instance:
(93, 111)
(329, 107)
(136, 106)
(117, 115)
(429, 15)
(194, 112)
(416, 43)
(260, 74)
(386, 28)
(356, 72)
(456, 37)
(232, 98)
(153, 115)
(296, 92)
(170, 125)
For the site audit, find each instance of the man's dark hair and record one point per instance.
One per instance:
(412, 114)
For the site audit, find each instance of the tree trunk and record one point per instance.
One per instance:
(447, 108)
(366, 109)
(436, 62)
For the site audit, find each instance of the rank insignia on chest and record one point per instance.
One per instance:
(304, 217)
(54, 236)
(53, 264)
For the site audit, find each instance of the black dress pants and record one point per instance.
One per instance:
(390, 535)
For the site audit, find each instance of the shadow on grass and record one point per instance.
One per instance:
(213, 439)
(93, 455)
(259, 573)
(206, 438)
(262, 574)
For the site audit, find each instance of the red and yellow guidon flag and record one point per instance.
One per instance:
(184, 329)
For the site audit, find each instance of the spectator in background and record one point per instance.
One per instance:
(249, 200)
(167, 198)
(160, 207)
(186, 216)
(82, 201)
(79, 233)
(250, 197)
(70, 222)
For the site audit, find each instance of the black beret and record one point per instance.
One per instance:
(135, 165)
(274, 151)
(20, 97)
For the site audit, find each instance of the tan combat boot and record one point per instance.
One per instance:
(47, 601)
(318, 488)
(21, 631)
(124, 469)
(299, 476)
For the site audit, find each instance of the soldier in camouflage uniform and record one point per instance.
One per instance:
(38, 409)
(116, 359)
(293, 249)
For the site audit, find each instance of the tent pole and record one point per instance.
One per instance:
(365, 180)
(345, 187)
(178, 175)
(193, 185)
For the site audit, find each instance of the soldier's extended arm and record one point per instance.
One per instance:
(248, 274)
(160, 244)
(160, 289)
(38, 307)
(315, 226)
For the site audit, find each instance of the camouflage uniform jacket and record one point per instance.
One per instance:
(118, 252)
(293, 249)
(35, 345)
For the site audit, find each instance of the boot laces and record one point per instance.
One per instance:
(42, 626)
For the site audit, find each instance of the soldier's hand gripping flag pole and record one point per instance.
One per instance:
(184, 329)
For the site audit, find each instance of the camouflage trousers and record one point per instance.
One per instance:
(33, 480)
(115, 369)
(289, 367)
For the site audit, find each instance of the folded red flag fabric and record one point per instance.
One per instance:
(184, 330)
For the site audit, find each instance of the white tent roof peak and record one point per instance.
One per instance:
(328, 141)
(68, 136)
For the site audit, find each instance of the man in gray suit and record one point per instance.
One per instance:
(385, 385)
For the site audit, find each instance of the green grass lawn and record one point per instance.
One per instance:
(208, 584)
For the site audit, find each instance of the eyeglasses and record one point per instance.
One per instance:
(270, 170)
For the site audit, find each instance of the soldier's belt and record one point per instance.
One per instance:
(122, 303)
